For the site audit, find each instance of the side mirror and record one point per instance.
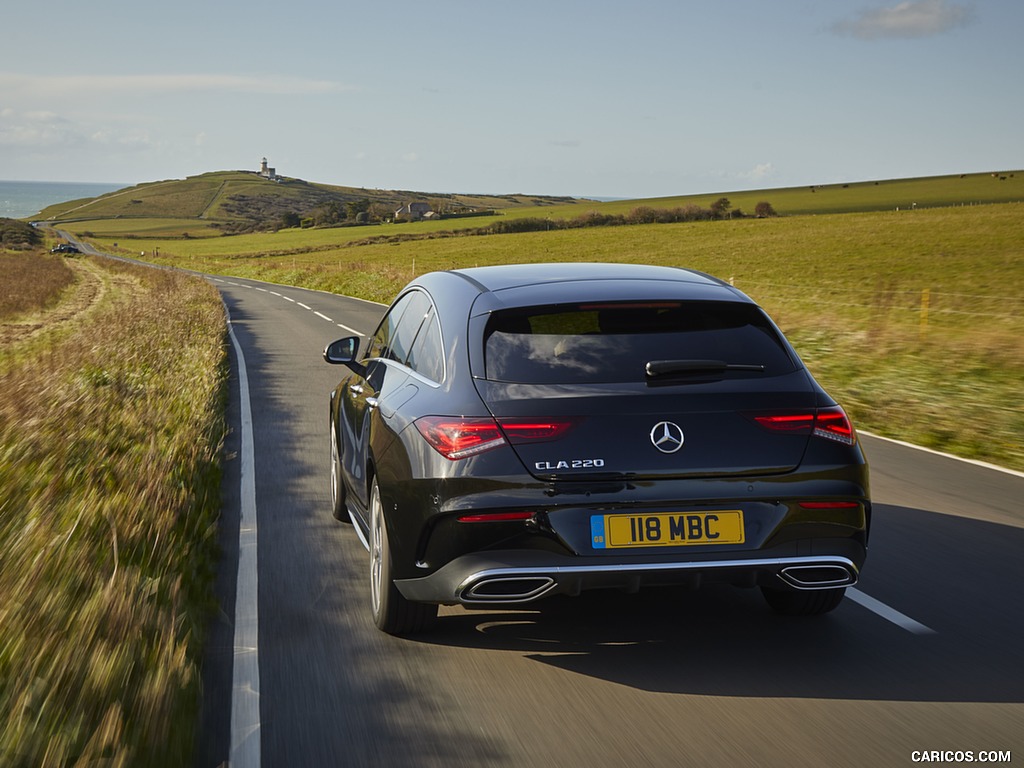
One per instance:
(342, 351)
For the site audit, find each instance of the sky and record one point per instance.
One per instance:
(629, 99)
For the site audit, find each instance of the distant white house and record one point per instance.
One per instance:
(413, 212)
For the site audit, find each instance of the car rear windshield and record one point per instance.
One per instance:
(614, 342)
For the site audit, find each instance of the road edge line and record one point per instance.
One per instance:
(245, 672)
(975, 462)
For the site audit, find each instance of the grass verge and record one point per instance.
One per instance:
(110, 428)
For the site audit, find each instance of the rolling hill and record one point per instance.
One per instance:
(233, 202)
(239, 201)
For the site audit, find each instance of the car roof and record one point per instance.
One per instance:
(503, 277)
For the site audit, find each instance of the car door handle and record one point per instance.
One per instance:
(371, 402)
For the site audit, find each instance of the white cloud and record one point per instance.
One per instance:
(911, 19)
(47, 130)
(760, 171)
(131, 84)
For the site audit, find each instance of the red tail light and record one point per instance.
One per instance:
(534, 430)
(457, 438)
(788, 422)
(834, 424)
(831, 423)
(495, 517)
(829, 504)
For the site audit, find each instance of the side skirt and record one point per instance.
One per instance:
(362, 529)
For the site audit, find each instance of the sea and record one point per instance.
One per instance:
(23, 199)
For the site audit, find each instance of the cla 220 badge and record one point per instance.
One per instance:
(549, 466)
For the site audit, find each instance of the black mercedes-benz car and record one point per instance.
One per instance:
(515, 432)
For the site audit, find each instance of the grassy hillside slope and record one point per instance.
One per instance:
(855, 197)
(225, 201)
(228, 202)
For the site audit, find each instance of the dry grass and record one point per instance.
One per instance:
(31, 282)
(109, 490)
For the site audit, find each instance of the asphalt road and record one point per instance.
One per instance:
(928, 656)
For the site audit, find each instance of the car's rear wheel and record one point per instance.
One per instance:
(392, 613)
(793, 602)
(338, 507)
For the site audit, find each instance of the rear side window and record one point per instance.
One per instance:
(427, 355)
(613, 342)
(409, 326)
(398, 329)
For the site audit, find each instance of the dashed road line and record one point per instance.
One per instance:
(321, 315)
(889, 614)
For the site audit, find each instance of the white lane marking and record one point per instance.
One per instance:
(299, 303)
(245, 696)
(261, 290)
(887, 613)
(932, 451)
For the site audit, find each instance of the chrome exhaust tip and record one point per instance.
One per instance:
(508, 589)
(823, 576)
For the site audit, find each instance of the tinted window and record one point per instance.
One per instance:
(397, 330)
(614, 342)
(427, 355)
(381, 340)
(416, 309)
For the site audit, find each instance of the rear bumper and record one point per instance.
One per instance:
(516, 577)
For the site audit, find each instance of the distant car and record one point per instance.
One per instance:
(64, 248)
(516, 432)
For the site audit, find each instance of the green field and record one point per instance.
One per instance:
(212, 204)
(856, 197)
(913, 319)
(906, 297)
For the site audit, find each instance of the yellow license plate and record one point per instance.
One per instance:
(667, 529)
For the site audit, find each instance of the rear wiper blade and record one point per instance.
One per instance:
(663, 367)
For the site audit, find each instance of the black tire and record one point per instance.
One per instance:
(794, 602)
(392, 613)
(338, 507)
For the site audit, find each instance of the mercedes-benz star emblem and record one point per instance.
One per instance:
(667, 437)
